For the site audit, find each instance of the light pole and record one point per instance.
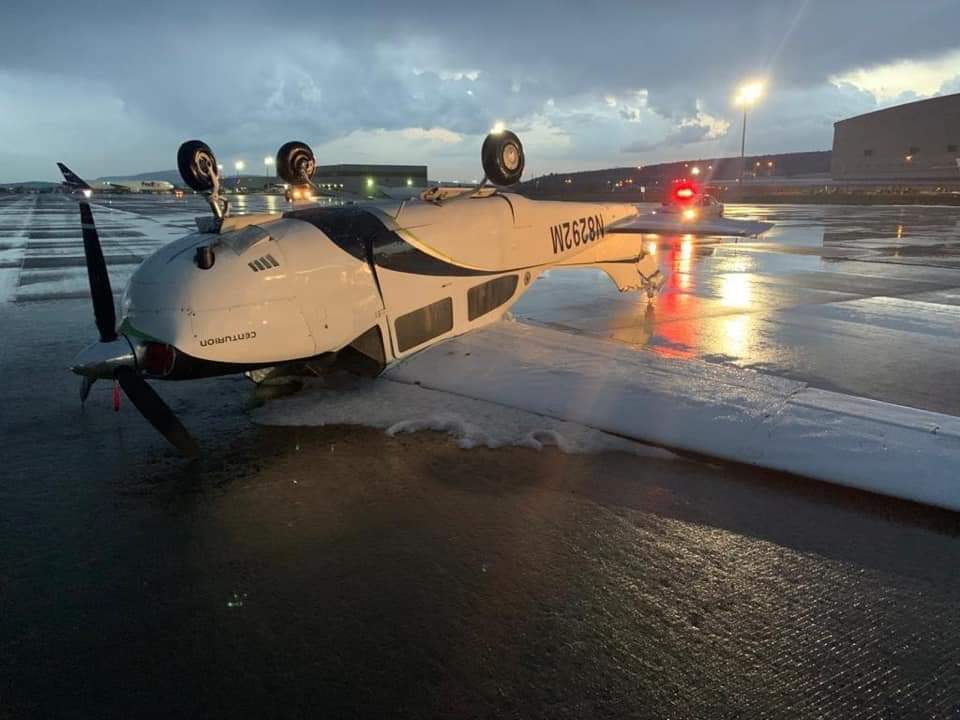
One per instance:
(267, 162)
(748, 94)
(238, 165)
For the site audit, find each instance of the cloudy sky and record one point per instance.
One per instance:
(114, 87)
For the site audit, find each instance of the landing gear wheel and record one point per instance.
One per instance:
(502, 158)
(198, 165)
(296, 163)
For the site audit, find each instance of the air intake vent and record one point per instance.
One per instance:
(263, 263)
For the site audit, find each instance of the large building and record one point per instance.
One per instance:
(919, 141)
(370, 180)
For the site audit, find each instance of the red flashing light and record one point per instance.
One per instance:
(684, 191)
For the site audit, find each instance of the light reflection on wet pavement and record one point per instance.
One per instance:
(862, 300)
(341, 572)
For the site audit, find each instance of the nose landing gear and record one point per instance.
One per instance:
(199, 169)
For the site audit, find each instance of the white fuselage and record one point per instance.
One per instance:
(316, 279)
(132, 186)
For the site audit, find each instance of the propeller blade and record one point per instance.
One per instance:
(85, 388)
(156, 411)
(100, 291)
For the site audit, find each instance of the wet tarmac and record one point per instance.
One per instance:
(341, 572)
(860, 300)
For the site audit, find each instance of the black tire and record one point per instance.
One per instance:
(296, 163)
(197, 165)
(502, 158)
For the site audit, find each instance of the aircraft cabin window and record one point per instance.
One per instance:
(490, 295)
(416, 327)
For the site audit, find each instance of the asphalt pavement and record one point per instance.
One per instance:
(340, 572)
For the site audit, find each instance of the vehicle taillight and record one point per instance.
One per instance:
(684, 192)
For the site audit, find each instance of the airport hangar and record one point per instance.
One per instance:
(911, 145)
(919, 141)
(369, 179)
(363, 180)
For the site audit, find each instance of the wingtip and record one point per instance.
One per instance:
(71, 178)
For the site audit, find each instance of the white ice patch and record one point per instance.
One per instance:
(405, 408)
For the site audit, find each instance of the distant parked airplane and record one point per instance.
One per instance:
(74, 182)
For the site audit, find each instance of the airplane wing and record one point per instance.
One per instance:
(675, 225)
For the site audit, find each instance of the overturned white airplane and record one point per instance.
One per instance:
(358, 286)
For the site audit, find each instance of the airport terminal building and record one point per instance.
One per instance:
(919, 141)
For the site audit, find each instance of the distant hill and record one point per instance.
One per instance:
(31, 185)
(252, 180)
(633, 183)
(171, 176)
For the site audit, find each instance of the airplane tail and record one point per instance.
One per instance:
(71, 179)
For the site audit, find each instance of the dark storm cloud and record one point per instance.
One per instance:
(248, 75)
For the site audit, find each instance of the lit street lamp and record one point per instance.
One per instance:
(267, 162)
(238, 166)
(748, 94)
